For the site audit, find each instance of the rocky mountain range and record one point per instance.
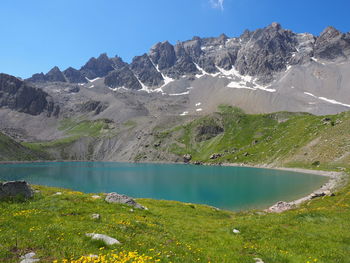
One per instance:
(266, 70)
(261, 54)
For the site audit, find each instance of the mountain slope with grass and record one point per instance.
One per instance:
(277, 139)
(226, 136)
(10, 150)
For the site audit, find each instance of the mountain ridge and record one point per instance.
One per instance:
(246, 53)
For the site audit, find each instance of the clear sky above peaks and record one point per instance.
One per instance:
(40, 34)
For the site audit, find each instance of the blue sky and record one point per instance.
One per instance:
(40, 34)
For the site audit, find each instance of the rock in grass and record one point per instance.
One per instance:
(236, 231)
(29, 258)
(13, 189)
(95, 197)
(106, 239)
(258, 260)
(122, 199)
(279, 207)
(96, 216)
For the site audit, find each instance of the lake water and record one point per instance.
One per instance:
(233, 188)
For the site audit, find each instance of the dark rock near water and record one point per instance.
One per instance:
(122, 199)
(187, 158)
(279, 207)
(15, 189)
(215, 156)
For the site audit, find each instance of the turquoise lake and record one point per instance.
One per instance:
(232, 188)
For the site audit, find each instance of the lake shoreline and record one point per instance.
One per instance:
(336, 179)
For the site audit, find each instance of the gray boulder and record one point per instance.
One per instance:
(279, 207)
(106, 239)
(29, 258)
(122, 199)
(15, 189)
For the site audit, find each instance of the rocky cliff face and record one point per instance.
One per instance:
(260, 54)
(19, 96)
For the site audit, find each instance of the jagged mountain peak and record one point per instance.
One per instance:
(261, 54)
(55, 75)
(330, 31)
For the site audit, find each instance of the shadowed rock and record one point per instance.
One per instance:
(106, 239)
(14, 189)
(17, 95)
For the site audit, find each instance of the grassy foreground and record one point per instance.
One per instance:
(54, 226)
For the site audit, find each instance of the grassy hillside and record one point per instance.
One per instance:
(54, 226)
(74, 130)
(277, 139)
(10, 150)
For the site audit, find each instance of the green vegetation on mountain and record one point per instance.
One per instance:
(276, 139)
(10, 150)
(73, 130)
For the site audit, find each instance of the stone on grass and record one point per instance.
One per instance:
(96, 216)
(58, 193)
(95, 197)
(13, 189)
(106, 239)
(29, 258)
(122, 199)
(258, 260)
(236, 231)
(279, 207)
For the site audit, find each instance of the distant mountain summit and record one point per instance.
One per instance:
(261, 53)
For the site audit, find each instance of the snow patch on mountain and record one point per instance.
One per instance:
(179, 94)
(92, 80)
(327, 100)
